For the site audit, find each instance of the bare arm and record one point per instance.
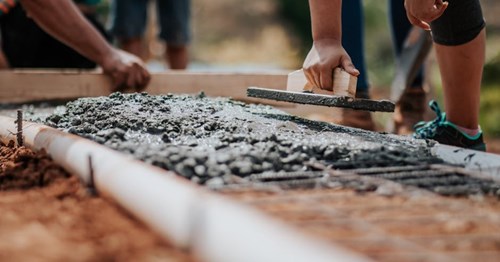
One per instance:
(63, 20)
(326, 19)
(327, 52)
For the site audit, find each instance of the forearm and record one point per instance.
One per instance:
(61, 19)
(326, 19)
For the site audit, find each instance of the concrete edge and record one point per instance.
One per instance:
(486, 164)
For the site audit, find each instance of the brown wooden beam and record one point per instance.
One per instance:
(32, 85)
(19, 86)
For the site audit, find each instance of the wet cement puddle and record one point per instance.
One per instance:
(204, 138)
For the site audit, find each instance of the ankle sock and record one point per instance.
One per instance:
(470, 132)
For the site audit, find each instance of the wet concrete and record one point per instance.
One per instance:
(322, 100)
(36, 111)
(204, 138)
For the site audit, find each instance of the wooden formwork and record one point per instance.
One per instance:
(20, 86)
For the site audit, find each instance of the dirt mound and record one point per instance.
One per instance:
(21, 168)
(48, 215)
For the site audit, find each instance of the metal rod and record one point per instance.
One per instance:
(19, 122)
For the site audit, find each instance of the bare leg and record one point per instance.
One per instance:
(177, 57)
(133, 45)
(3, 61)
(461, 70)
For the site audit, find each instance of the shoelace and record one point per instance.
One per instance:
(428, 129)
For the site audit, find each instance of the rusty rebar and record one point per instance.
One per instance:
(19, 122)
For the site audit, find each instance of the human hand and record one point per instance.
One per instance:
(324, 57)
(422, 12)
(126, 70)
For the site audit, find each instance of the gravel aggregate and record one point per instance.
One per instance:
(202, 138)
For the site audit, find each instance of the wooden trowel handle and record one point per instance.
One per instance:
(344, 84)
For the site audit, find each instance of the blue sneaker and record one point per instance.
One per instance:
(446, 132)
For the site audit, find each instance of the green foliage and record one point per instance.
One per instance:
(296, 14)
(378, 43)
(491, 75)
(490, 98)
(490, 111)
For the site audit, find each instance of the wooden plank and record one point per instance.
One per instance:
(344, 84)
(19, 86)
(30, 85)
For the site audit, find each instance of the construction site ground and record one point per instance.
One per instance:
(59, 220)
(62, 221)
(414, 210)
(404, 227)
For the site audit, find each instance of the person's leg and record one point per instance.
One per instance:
(400, 29)
(460, 48)
(177, 56)
(353, 40)
(459, 38)
(129, 19)
(174, 18)
(3, 61)
(410, 107)
(461, 72)
(132, 45)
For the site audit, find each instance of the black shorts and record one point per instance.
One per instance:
(461, 23)
(26, 45)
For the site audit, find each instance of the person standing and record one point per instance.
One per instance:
(63, 20)
(410, 107)
(129, 19)
(26, 45)
(458, 31)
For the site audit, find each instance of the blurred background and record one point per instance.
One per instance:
(266, 35)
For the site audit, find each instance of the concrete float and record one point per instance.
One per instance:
(212, 227)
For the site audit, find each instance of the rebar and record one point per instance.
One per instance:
(19, 122)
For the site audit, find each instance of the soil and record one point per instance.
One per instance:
(21, 168)
(205, 138)
(402, 227)
(209, 140)
(58, 220)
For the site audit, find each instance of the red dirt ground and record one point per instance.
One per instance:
(62, 222)
(402, 227)
(493, 145)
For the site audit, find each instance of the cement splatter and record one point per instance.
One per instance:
(202, 138)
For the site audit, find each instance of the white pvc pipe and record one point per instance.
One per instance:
(264, 239)
(216, 228)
